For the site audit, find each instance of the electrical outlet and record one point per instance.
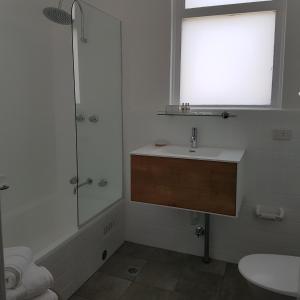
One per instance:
(108, 228)
(282, 134)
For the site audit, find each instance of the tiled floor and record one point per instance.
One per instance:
(137, 272)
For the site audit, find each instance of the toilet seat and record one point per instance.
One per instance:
(276, 273)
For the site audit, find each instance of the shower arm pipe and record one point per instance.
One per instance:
(83, 38)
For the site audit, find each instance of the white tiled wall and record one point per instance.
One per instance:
(72, 263)
(37, 148)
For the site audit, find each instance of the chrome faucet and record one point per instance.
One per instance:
(194, 139)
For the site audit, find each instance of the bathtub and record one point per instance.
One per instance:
(71, 254)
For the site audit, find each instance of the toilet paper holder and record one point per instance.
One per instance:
(263, 213)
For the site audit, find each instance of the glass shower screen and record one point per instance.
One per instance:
(98, 92)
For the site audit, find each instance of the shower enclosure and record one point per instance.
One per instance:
(98, 81)
(57, 188)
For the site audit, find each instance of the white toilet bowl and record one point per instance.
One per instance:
(271, 276)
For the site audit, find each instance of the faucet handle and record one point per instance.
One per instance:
(73, 180)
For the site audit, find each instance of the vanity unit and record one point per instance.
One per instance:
(207, 180)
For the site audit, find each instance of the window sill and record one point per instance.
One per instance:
(195, 108)
(224, 112)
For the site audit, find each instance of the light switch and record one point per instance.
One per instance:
(282, 134)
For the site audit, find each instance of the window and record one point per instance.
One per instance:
(206, 3)
(227, 55)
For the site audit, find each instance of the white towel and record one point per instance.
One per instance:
(36, 281)
(49, 295)
(16, 262)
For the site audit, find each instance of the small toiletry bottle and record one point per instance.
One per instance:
(186, 107)
(182, 107)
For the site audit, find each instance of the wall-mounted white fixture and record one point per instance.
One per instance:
(267, 214)
(282, 134)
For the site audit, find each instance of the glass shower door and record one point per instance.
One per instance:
(98, 93)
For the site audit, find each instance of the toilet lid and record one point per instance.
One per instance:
(276, 273)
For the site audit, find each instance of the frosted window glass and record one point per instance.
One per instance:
(228, 59)
(205, 3)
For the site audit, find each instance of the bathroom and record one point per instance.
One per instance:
(96, 242)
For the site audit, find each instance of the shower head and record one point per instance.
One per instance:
(57, 15)
(60, 16)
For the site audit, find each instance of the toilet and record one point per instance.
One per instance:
(271, 277)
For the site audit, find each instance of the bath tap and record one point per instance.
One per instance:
(89, 181)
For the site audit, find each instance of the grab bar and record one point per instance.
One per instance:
(89, 181)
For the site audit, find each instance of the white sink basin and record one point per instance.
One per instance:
(201, 153)
(198, 152)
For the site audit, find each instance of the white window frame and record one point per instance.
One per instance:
(179, 13)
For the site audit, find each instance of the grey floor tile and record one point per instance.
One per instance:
(74, 297)
(206, 286)
(142, 292)
(234, 286)
(161, 275)
(195, 265)
(167, 256)
(103, 287)
(136, 250)
(176, 296)
(118, 266)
